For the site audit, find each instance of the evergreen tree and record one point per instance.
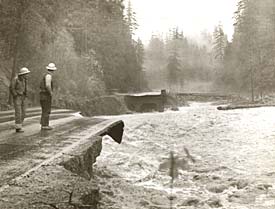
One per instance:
(220, 42)
(140, 52)
(253, 47)
(177, 61)
(155, 63)
(88, 39)
(131, 18)
(140, 62)
(174, 69)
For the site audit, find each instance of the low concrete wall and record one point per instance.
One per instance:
(145, 103)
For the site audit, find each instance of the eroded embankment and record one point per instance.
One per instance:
(64, 182)
(40, 169)
(103, 105)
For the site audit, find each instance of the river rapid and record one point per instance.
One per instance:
(232, 163)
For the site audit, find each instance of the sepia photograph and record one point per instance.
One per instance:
(137, 104)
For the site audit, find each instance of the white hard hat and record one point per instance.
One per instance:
(23, 71)
(51, 66)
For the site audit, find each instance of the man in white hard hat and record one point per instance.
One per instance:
(46, 92)
(19, 93)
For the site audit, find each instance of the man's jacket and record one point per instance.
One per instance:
(18, 87)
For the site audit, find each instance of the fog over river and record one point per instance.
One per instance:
(234, 153)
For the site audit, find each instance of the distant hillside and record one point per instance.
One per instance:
(90, 42)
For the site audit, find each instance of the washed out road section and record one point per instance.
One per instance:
(20, 152)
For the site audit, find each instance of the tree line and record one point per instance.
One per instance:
(174, 60)
(248, 62)
(244, 65)
(90, 41)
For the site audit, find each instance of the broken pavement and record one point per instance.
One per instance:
(52, 169)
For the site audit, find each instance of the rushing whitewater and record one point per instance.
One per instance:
(233, 167)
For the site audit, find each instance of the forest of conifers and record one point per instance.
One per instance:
(92, 44)
(249, 61)
(244, 65)
(90, 41)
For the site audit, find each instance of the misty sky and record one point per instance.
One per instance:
(192, 16)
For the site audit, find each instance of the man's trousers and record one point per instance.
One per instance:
(20, 110)
(46, 103)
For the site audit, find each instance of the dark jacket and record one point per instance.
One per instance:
(18, 87)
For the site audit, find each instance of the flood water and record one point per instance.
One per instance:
(234, 153)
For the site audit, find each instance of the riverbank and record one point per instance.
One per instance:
(244, 103)
(244, 106)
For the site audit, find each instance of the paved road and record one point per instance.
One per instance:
(20, 152)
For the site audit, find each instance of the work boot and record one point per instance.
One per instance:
(19, 130)
(46, 128)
